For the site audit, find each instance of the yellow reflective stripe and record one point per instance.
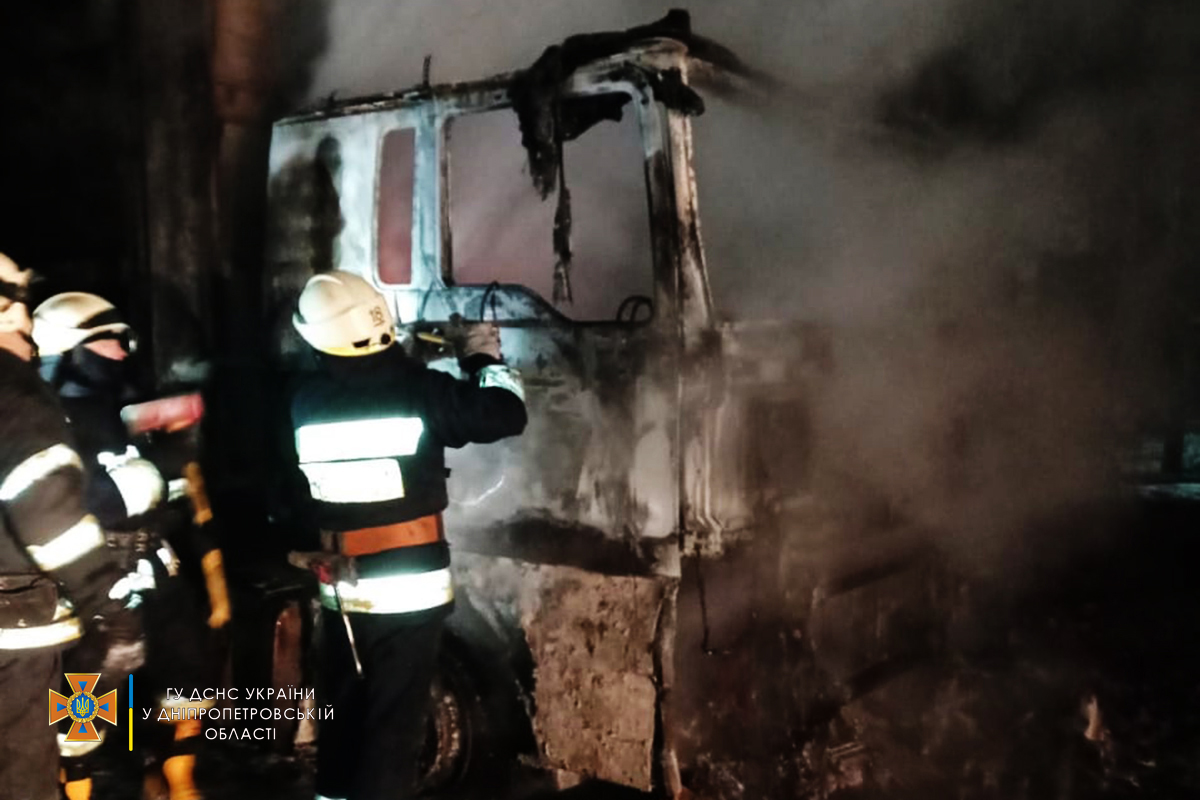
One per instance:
(359, 439)
(36, 467)
(78, 540)
(392, 594)
(40, 635)
(501, 376)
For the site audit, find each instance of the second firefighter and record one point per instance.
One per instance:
(85, 347)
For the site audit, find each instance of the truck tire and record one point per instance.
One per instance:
(469, 748)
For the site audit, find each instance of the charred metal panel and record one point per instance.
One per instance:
(741, 382)
(597, 453)
(593, 641)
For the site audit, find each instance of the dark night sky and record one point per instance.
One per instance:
(70, 136)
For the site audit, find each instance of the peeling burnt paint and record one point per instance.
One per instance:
(593, 646)
(593, 691)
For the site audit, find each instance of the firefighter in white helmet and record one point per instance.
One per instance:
(85, 346)
(370, 428)
(59, 581)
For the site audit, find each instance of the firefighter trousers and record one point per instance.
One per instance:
(369, 748)
(28, 745)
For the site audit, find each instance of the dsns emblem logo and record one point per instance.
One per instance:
(83, 707)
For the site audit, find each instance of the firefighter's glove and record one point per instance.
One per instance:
(140, 483)
(129, 589)
(481, 338)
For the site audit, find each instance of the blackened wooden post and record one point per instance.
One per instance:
(181, 246)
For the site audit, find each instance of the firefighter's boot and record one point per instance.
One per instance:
(75, 772)
(79, 789)
(179, 769)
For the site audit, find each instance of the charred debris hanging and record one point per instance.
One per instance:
(548, 118)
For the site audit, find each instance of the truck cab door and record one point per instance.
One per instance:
(593, 481)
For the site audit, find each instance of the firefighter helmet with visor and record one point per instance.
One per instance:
(67, 320)
(340, 314)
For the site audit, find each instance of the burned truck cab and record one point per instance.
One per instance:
(566, 539)
(648, 418)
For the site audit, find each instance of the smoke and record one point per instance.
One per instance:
(993, 210)
(1007, 247)
(990, 203)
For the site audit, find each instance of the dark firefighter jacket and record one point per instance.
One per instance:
(370, 434)
(47, 537)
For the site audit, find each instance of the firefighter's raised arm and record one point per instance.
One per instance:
(489, 404)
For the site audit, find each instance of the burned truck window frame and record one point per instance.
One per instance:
(503, 228)
(433, 295)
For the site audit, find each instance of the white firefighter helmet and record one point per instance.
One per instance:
(69, 319)
(14, 283)
(341, 314)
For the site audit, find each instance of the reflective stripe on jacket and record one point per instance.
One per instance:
(65, 629)
(369, 437)
(391, 594)
(62, 545)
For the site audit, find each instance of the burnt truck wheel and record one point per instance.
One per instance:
(465, 747)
